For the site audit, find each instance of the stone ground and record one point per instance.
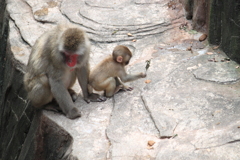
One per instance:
(188, 104)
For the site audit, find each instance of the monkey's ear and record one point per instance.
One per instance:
(119, 59)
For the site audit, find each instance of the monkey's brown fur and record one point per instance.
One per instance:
(48, 76)
(104, 76)
(73, 37)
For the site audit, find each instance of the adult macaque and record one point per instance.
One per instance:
(105, 76)
(58, 57)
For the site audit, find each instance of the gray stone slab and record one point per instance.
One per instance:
(90, 140)
(131, 127)
(199, 107)
(220, 72)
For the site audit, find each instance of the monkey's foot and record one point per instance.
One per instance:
(73, 113)
(93, 97)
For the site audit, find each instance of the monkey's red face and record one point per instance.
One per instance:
(71, 59)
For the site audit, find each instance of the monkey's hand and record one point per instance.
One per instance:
(73, 94)
(93, 97)
(143, 75)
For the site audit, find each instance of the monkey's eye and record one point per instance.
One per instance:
(126, 63)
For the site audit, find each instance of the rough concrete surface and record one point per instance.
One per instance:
(188, 104)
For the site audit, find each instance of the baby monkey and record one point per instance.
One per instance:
(105, 76)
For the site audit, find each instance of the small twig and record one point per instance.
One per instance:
(148, 64)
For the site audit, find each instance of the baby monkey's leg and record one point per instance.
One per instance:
(109, 86)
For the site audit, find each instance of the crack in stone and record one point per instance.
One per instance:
(230, 142)
(165, 137)
(150, 32)
(146, 29)
(69, 19)
(193, 145)
(141, 30)
(24, 100)
(149, 28)
(19, 31)
(14, 130)
(28, 5)
(144, 32)
(109, 152)
(150, 113)
(87, 4)
(86, 27)
(108, 155)
(234, 22)
(45, 21)
(123, 39)
(154, 33)
(88, 18)
(102, 37)
(173, 135)
(154, 3)
(140, 26)
(131, 25)
(128, 157)
(235, 141)
(223, 83)
(175, 128)
(41, 21)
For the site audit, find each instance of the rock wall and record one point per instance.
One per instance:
(224, 26)
(15, 113)
(46, 141)
(3, 40)
(220, 19)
